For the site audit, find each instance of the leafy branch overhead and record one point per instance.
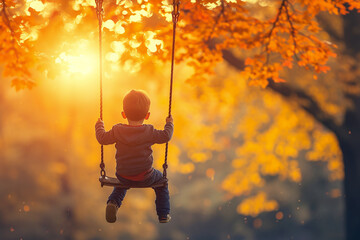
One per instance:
(284, 33)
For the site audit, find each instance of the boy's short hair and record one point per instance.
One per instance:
(136, 105)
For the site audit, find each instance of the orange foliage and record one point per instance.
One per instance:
(279, 33)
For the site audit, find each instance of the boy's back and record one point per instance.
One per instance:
(133, 146)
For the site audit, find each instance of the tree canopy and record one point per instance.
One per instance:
(276, 34)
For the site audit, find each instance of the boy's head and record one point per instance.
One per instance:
(136, 105)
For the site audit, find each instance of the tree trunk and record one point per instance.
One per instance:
(351, 145)
(351, 158)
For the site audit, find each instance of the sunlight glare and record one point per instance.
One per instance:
(251, 1)
(44, 9)
(83, 3)
(167, 9)
(151, 43)
(212, 5)
(112, 57)
(109, 24)
(83, 63)
(37, 6)
(118, 47)
(119, 29)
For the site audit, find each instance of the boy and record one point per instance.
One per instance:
(134, 154)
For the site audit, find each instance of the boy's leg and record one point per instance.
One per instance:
(113, 203)
(162, 201)
(117, 196)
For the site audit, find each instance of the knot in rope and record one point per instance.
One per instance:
(99, 10)
(176, 11)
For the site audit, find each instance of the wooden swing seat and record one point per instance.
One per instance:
(114, 182)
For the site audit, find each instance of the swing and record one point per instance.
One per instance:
(115, 182)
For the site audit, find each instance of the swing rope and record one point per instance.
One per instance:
(175, 18)
(100, 14)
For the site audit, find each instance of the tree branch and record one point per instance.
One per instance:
(293, 31)
(327, 23)
(6, 17)
(306, 102)
(7, 22)
(221, 13)
(272, 29)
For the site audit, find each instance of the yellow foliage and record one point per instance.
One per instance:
(254, 205)
(199, 156)
(238, 163)
(173, 156)
(271, 151)
(326, 148)
(294, 172)
(242, 182)
(271, 165)
(186, 168)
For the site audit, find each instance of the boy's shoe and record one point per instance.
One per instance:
(164, 219)
(111, 210)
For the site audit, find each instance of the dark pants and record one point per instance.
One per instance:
(162, 201)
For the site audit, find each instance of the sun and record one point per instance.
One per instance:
(79, 58)
(84, 64)
(76, 68)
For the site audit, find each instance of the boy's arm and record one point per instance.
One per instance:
(163, 136)
(102, 136)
